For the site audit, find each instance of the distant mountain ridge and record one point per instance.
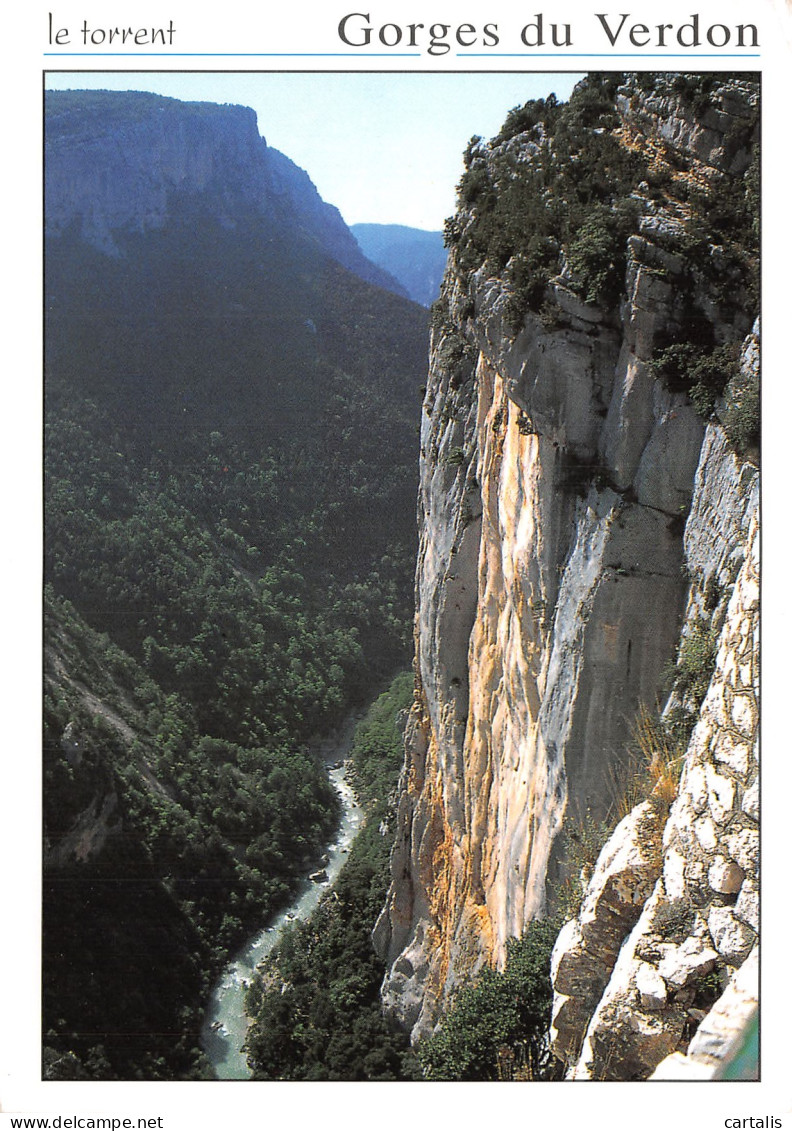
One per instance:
(415, 257)
(155, 151)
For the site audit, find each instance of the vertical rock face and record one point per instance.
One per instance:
(559, 463)
(701, 921)
(131, 162)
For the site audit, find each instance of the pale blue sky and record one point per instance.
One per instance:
(384, 148)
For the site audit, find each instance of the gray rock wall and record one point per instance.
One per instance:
(552, 584)
(548, 604)
(143, 158)
(701, 922)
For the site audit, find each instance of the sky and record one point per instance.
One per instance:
(384, 148)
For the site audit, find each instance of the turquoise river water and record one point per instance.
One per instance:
(225, 1024)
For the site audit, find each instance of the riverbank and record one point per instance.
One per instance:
(225, 1024)
(319, 1016)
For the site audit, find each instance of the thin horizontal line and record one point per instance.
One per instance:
(610, 54)
(242, 54)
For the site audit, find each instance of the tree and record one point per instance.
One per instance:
(503, 1014)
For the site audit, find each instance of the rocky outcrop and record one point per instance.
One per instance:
(702, 920)
(557, 472)
(588, 946)
(726, 1041)
(717, 131)
(89, 833)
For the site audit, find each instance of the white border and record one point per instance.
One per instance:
(311, 26)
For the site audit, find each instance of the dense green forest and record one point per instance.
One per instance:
(231, 461)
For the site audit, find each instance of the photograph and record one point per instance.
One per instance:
(401, 593)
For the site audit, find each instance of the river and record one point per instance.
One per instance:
(225, 1024)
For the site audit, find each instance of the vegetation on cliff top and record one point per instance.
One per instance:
(554, 183)
(558, 192)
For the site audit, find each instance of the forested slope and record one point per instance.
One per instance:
(230, 444)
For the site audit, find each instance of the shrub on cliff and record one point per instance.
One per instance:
(695, 662)
(496, 1028)
(741, 413)
(598, 254)
(701, 373)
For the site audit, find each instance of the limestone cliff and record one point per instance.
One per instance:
(130, 162)
(637, 1003)
(576, 516)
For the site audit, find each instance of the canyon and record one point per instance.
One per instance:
(232, 393)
